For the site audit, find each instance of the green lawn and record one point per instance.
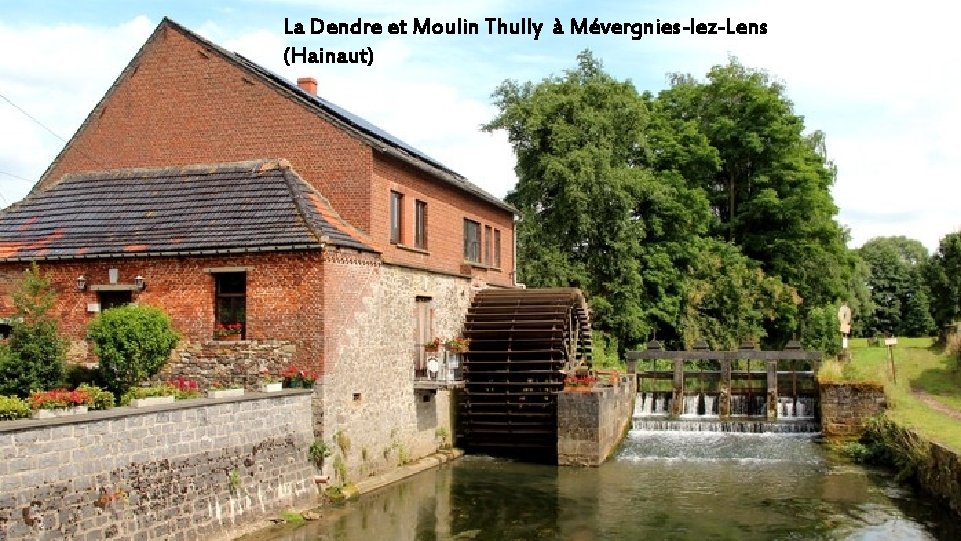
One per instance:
(920, 368)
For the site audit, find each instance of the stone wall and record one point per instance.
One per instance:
(367, 390)
(591, 424)
(845, 407)
(195, 469)
(238, 362)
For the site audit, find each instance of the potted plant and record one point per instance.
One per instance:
(433, 346)
(458, 344)
(141, 397)
(219, 389)
(296, 378)
(269, 383)
(59, 402)
(228, 331)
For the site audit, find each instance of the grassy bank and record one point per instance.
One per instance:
(926, 396)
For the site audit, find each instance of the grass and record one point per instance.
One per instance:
(921, 368)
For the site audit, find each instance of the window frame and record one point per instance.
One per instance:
(497, 248)
(230, 298)
(488, 240)
(396, 225)
(472, 242)
(420, 224)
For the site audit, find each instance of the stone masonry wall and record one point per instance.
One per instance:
(191, 470)
(937, 469)
(367, 391)
(238, 362)
(845, 407)
(590, 424)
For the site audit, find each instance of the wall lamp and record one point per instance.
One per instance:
(140, 283)
(81, 283)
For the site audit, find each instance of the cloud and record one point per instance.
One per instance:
(68, 70)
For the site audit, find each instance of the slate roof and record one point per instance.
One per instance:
(253, 206)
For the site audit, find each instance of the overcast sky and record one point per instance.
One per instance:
(880, 79)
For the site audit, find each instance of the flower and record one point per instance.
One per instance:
(227, 329)
(458, 344)
(59, 398)
(433, 346)
(267, 377)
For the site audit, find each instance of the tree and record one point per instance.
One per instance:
(771, 193)
(606, 205)
(898, 292)
(33, 359)
(942, 274)
(131, 342)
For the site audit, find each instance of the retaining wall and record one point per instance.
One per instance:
(846, 407)
(590, 424)
(195, 469)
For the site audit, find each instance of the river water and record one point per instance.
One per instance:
(660, 485)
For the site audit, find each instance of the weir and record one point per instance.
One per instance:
(747, 390)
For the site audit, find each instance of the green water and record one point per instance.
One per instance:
(659, 486)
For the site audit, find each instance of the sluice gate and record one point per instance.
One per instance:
(521, 343)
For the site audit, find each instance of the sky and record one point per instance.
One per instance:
(879, 78)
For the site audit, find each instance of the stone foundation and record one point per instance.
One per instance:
(845, 407)
(196, 469)
(591, 424)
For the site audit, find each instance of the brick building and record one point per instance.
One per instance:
(236, 196)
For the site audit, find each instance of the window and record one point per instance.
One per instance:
(113, 299)
(487, 244)
(231, 300)
(425, 333)
(471, 241)
(396, 216)
(497, 248)
(420, 225)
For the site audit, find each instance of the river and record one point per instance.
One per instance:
(660, 485)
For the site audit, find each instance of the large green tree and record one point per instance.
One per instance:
(771, 192)
(898, 292)
(608, 204)
(943, 276)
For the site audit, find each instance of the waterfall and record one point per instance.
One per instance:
(652, 403)
(715, 425)
(700, 414)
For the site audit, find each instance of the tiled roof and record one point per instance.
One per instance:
(253, 206)
(378, 138)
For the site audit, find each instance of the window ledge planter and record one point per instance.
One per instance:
(271, 387)
(225, 393)
(151, 401)
(58, 412)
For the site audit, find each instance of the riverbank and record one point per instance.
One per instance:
(919, 435)
(269, 529)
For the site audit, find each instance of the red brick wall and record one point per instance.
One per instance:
(284, 295)
(180, 103)
(447, 208)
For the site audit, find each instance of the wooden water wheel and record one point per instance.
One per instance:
(523, 341)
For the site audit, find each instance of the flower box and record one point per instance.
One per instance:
(151, 401)
(58, 412)
(271, 387)
(225, 393)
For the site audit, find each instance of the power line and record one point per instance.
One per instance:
(44, 126)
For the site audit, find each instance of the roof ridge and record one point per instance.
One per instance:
(294, 180)
(261, 164)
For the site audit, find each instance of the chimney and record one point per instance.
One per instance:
(308, 85)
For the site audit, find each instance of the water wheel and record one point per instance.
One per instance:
(522, 343)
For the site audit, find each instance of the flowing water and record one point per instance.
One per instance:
(660, 485)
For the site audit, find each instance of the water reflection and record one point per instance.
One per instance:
(660, 486)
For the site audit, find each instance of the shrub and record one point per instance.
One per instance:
(821, 332)
(78, 374)
(952, 345)
(12, 408)
(99, 398)
(34, 356)
(147, 392)
(132, 342)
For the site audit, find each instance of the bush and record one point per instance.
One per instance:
(99, 398)
(34, 356)
(821, 331)
(132, 342)
(12, 408)
(147, 392)
(76, 375)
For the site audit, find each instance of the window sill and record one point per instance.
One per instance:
(476, 265)
(412, 249)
